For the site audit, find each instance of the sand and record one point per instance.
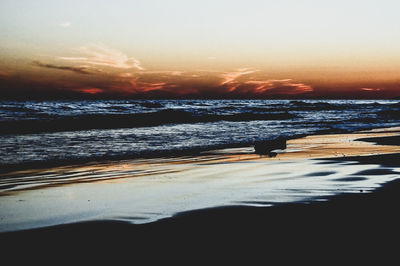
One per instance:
(324, 188)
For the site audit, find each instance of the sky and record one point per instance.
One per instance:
(200, 49)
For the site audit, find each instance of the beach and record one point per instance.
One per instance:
(199, 132)
(321, 188)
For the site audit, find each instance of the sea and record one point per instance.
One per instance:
(42, 133)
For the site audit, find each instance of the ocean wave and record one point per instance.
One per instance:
(109, 121)
(319, 106)
(151, 105)
(389, 114)
(16, 109)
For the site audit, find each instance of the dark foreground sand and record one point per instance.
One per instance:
(357, 226)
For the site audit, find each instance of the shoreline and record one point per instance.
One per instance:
(323, 146)
(358, 208)
(6, 169)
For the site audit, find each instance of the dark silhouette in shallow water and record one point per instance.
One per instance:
(266, 147)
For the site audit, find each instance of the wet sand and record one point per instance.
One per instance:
(294, 201)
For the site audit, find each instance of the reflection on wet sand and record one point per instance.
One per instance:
(145, 190)
(319, 146)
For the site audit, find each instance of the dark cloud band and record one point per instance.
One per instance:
(77, 69)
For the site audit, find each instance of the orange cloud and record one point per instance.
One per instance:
(370, 89)
(144, 87)
(91, 90)
(241, 82)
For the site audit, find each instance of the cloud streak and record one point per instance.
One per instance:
(276, 86)
(241, 83)
(229, 77)
(100, 55)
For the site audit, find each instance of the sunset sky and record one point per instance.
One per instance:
(207, 48)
